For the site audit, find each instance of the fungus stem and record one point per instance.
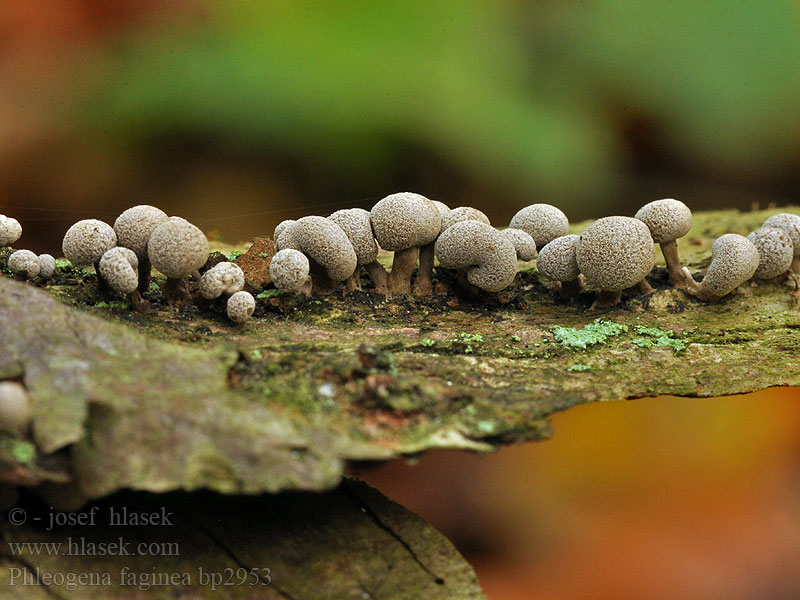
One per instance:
(570, 289)
(795, 268)
(423, 285)
(670, 252)
(605, 298)
(644, 287)
(379, 277)
(402, 269)
(144, 274)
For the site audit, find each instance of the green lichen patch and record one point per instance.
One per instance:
(657, 337)
(597, 332)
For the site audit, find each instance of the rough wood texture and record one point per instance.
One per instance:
(351, 542)
(182, 399)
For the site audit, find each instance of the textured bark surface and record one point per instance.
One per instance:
(351, 542)
(179, 398)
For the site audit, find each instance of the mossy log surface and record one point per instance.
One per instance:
(351, 542)
(182, 399)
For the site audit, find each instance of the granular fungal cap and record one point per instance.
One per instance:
(241, 306)
(543, 222)
(523, 243)
(86, 241)
(405, 220)
(557, 260)
(289, 270)
(775, 251)
(10, 230)
(615, 253)
(222, 278)
(118, 267)
(177, 248)
(135, 226)
(24, 264)
(667, 219)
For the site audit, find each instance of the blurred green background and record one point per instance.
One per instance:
(237, 115)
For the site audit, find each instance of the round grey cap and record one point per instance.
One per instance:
(790, 223)
(86, 241)
(558, 260)
(289, 270)
(10, 230)
(177, 248)
(667, 219)
(615, 253)
(543, 222)
(775, 251)
(135, 225)
(405, 220)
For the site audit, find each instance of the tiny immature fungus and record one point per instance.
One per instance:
(790, 223)
(357, 227)
(734, 260)
(775, 251)
(402, 223)
(86, 242)
(668, 220)
(558, 262)
(177, 249)
(486, 255)
(47, 266)
(134, 228)
(15, 410)
(615, 253)
(10, 231)
(289, 271)
(241, 306)
(463, 213)
(24, 264)
(222, 278)
(523, 243)
(543, 222)
(118, 267)
(331, 255)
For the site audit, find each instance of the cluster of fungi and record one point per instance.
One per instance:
(319, 255)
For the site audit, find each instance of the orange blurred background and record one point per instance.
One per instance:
(658, 498)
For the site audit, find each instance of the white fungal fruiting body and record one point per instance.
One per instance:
(790, 223)
(241, 306)
(177, 248)
(734, 260)
(47, 266)
(15, 412)
(523, 243)
(357, 227)
(323, 241)
(289, 270)
(10, 230)
(86, 241)
(135, 226)
(558, 260)
(487, 255)
(222, 278)
(667, 219)
(542, 222)
(615, 253)
(775, 251)
(24, 263)
(118, 267)
(463, 213)
(405, 220)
